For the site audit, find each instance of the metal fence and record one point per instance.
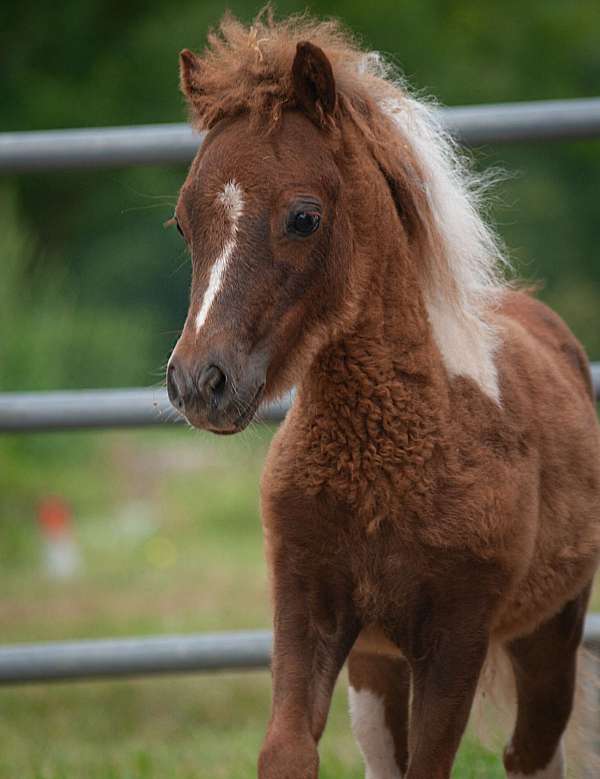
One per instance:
(542, 120)
(117, 657)
(246, 650)
(22, 412)
(23, 152)
(143, 407)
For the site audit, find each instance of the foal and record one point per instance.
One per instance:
(434, 489)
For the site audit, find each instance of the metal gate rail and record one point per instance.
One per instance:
(157, 144)
(50, 411)
(127, 657)
(76, 409)
(117, 657)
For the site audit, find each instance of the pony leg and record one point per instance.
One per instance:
(545, 664)
(312, 638)
(444, 680)
(379, 693)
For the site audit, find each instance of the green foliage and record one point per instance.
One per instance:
(50, 338)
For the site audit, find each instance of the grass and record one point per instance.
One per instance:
(168, 528)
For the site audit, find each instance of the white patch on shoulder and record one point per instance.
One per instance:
(467, 348)
(232, 198)
(464, 256)
(554, 770)
(367, 714)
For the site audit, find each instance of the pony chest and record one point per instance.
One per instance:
(372, 476)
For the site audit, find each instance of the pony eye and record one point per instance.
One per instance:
(304, 223)
(178, 226)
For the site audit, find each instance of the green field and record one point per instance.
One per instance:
(168, 526)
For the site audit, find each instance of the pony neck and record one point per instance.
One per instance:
(373, 408)
(387, 357)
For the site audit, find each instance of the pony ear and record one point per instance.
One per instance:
(314, 84)
(189, 73)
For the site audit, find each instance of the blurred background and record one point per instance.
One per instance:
(162, 526)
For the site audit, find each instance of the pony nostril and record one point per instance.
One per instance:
(216, 379)
(173, 389)
(212, 383)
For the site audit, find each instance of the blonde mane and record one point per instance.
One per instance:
(247, 70)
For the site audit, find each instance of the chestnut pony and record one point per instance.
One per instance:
(434, 491)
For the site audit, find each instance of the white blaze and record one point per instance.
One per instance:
(232, 198)
(367, 713)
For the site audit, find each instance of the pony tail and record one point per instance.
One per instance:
(494, 711)
(494, 707)
(584, 726)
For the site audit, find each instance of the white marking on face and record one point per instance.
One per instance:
(554, 770)
(232, 198)
(367, 713)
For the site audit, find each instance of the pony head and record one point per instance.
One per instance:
(307, 179)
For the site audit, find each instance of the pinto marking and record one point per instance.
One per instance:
(465, 255)
(232, 198)
(370, 729)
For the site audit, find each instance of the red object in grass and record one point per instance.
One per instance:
(54, 516)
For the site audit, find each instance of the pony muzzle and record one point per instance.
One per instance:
(211, 397)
